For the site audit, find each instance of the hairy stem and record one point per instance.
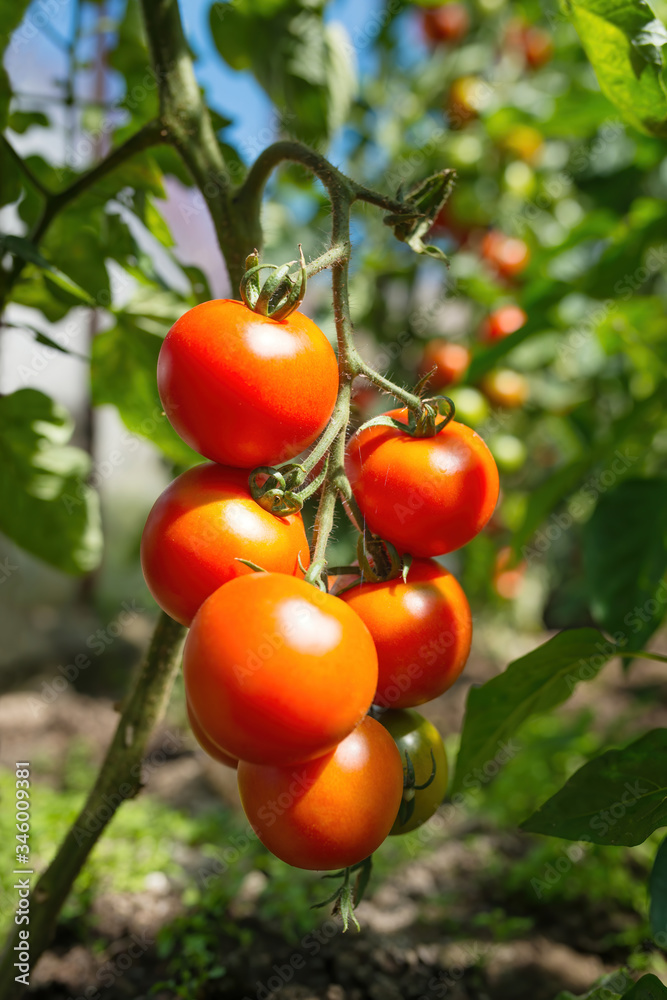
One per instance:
(187, 124)
(118, 779)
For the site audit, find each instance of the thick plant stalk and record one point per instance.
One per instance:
(118, 779)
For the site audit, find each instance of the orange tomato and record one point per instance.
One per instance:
(449, 360)
(206, 743)
(244, 389)
(428, 495)
(502, 322)
(507, 254)
(276, 671)
(422, 631)
(331, 812)
(203, 521)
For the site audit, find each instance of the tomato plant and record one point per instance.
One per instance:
(426, 495)
(292, 678)
(331, 812)
(200, 528)
(270, 383)
(425, 769)
(422, 629)
(113, 187)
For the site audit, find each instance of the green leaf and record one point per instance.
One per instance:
(20, 247)
(618, 798)
(303, 63)
(625, 559)
(10, 177)
(647, 988)
(625, 43)
(46, 506)
(123, 366)
(657, 889)
(21, 121)
(531, 685)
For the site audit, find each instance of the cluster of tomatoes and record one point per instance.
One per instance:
(284, 679)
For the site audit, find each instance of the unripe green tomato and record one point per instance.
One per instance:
(472, 407)
(509, 452)
(417, 738)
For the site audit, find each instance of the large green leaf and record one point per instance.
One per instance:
(625, 43)
(123, 365)
(303, 64)
(625, 559)
(46, 506)
(657, 888)
(647, 988)
(618, 798)
(11, 15)
(531, 685)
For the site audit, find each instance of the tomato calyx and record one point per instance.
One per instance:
(428, 422)
(281, 293)
(423, 203)
(277, 493)
(349, 893)
(410, 786)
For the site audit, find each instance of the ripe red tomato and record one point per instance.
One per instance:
(507, 254)
(505, 388)
(449, 23)
(449, 360)
(502, 322)
(198, 527)
(243, 389)
(422, 631)
(331, 812)
(418, 739)
(206, 743)
(276, 671)
(427, 496)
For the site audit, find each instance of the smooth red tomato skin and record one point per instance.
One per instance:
(428, 496)
(331, 812)
(197, 528)
(243, 389)
(206, 743)
(276, 671)
(422, 631)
